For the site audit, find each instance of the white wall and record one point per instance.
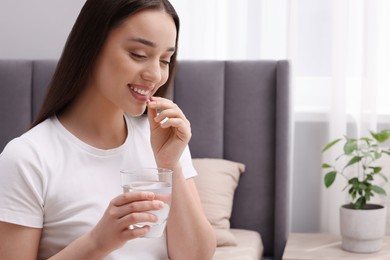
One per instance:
(35, 29)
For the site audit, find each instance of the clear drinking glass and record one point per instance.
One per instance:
(156, 180)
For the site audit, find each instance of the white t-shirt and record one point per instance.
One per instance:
(52, 180)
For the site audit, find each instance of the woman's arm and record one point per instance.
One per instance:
(18, 242)
(190, 235)
(21, 242)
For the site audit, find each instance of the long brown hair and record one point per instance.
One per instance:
(96, 19)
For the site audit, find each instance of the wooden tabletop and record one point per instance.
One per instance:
(317, 246)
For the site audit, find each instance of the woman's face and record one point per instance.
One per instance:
(134, 61)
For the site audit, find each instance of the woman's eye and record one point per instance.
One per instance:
(137, 56)
(165, 62)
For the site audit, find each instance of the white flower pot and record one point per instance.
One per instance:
(362, 230)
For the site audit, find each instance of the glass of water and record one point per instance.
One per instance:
(156, 180)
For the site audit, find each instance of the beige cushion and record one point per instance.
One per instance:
(249, 247)
(216, 182)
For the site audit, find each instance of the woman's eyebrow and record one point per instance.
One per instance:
(150, 44)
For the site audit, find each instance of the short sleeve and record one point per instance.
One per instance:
(21, 186)
(186, 164)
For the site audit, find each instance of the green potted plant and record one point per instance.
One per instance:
(357, 218)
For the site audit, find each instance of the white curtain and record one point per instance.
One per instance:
(359, 81)
(231, 29)
(339, 52)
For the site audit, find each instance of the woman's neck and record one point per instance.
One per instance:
(95, 122)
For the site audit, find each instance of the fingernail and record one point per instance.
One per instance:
(149, 194)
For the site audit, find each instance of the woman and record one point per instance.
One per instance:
(60, 196)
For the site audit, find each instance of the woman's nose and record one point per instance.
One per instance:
(152, 72)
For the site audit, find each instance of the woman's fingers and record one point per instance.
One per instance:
(127, 197)
(142, 206)
(118, 223)
(132, 202)
(160, 103)
(135, 232)
(170, 115)
(166, 107)
(130, 208)
(132, 219)
(170, 131)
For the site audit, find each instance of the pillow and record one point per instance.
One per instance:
(216, 183)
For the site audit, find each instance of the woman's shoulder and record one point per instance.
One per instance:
(18, 150)
(29, 142)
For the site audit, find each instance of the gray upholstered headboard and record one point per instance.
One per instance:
(239, 110)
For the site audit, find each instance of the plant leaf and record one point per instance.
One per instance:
(354, 160)
(367, 196)
(384, 177)
(377, 155)
(354, 181)
(325, 165)
(329, 145)
(361, 186)
(376, 169)
(350, 146)
(329, 178)
(360, 203)
(378, 190)
(382, 136)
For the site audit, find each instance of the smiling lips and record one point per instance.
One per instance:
(139, 93)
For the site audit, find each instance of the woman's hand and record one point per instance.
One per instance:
(113, 230)
(170, 131)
